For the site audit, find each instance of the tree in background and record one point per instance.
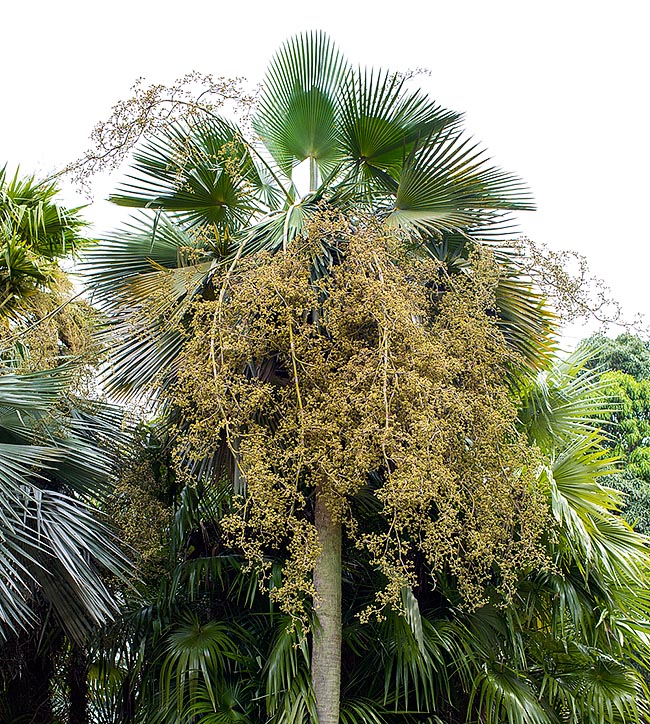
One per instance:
(624, 366)
(55, 551)
(627, 353)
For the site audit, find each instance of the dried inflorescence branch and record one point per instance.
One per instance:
(154, 107)
(566, 281)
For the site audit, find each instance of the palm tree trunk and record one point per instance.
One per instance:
(28, 694)
(326, 648)
(78, 685)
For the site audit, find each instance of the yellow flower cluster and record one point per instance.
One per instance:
(380, 374)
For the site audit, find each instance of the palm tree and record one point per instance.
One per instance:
(213, 196)
(35, 231)
(56, 551)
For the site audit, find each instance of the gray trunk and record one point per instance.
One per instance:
(326, 650)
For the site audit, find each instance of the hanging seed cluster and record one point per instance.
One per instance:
(380, 372)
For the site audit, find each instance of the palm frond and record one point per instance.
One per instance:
(54, 544)
(562, 402)
(202, 173)
(381, 121)
(360, 710)
(502, 694)
(28, 208)
(195, 652)
(289, 695)
(447, 184)
(298, 111)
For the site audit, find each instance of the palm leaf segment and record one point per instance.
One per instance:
(51, 470)
(373, 146)
(204, 174)
(27, 207)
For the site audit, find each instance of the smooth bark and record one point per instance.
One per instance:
(326, 648)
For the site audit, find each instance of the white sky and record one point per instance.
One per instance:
(556, 90)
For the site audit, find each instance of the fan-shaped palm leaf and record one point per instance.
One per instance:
(195, 651)
(447, 184)
(203, 173)
(564, 401)
(298, 115)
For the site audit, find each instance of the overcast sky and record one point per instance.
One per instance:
(556, 90)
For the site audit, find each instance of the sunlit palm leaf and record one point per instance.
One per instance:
(380, 124)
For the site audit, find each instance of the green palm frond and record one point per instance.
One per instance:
(289, 696)
(59, 549)
(414, 658)
(196, 652)
(563, 402)
(27, 207)
(203, 173)
(74, 548)
(525, 320)
(447, 184)
(54, 543)
(155, 273)
(360, 710)
(596, 688)
(502, 694)
(144, 247)
(34, 410)
(298, 113)
(596, 537)
(381, 122)
(279, 229)
(232, 706)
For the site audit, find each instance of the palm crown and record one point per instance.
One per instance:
(214, 194)
(34, 232)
